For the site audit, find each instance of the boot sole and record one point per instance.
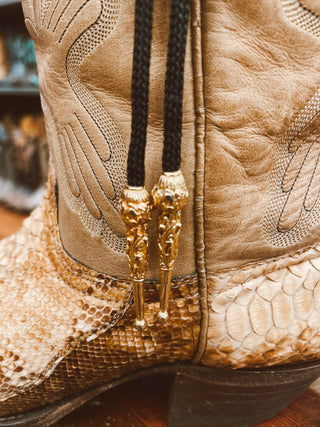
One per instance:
(200, 396)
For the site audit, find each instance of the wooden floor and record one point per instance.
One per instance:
(143, 403)
(9, 222)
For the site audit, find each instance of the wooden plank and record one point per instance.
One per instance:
(10, 222)
(303, 412)
(140, 403)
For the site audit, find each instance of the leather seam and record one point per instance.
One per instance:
(270, 261)
(197, 59)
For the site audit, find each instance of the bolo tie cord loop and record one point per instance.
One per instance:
(135, 203)
(170, 194)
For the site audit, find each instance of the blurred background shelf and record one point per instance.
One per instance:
(23, 147)
(19, 91)
(9, 9)
(10, 3)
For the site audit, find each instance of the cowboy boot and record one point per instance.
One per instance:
(244, 291)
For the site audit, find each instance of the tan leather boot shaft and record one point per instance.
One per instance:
(255, 94)
(261, 81)
(85, 57)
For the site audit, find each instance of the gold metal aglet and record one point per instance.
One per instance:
(169, 196)
(135, 210)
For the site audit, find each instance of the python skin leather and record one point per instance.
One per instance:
(265, 313)
(65, 328)
(246, 287)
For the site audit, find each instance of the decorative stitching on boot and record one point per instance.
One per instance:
(294, 207)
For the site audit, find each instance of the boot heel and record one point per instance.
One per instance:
(209, 397)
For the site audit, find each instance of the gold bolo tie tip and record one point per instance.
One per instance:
(169, 196)
(135, 210)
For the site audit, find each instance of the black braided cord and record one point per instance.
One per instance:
(171, 158)
(179, 18)
(140, 92)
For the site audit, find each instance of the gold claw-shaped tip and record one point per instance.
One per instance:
(135, 210)
(163, 316)
(169, 197)
(140, 324)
